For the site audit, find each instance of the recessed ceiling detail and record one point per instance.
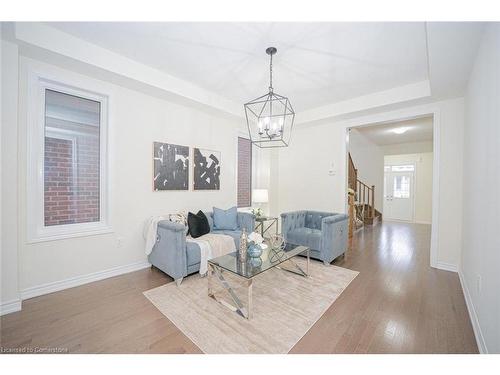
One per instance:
(319, 64)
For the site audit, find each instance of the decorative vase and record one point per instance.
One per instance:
(255, 262)
(242, 251)
(254, 251)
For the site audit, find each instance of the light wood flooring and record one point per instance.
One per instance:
(397, 304)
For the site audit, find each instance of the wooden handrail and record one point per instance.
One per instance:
(365, 195)
(353, 174)
(373, 202)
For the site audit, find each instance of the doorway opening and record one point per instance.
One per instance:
(390, 172)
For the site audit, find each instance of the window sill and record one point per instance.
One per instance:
(60, 235)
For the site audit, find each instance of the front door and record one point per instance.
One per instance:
(398, 192)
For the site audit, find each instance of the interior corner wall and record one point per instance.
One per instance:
(368, 159)
(9, 178)
(136, 120)
(480, 263)
(450, 169)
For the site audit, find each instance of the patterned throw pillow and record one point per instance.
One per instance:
(180, 218)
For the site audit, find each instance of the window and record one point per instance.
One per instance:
(71, 159)
(403, 168)
(67, 162)
(244, 172)
(401, 187)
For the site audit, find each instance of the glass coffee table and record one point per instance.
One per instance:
(249, 269)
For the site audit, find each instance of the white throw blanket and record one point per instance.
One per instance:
(150, 230)
(211, 245)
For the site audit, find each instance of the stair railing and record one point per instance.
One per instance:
(353, 174)
(366, 197)
(365, 194)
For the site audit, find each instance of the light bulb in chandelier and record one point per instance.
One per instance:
(270, 127)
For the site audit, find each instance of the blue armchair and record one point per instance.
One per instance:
(178, 258)
(323, 232)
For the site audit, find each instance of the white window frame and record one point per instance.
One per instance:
(36, 229)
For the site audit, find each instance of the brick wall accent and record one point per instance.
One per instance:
(244, 172)
(71, 190)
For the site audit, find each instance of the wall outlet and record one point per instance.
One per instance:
(479, 284)
(119, 242)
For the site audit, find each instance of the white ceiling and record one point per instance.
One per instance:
(419, 130)
(316, 64)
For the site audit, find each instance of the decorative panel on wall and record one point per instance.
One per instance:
(206, 170)
(170, 167)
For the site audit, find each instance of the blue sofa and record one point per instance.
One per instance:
(324, 233)
(178, 258)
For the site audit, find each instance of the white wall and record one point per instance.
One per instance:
(300, 172)
(9, 171)
(480, 263)
(304, 181)
(136, 120)
(422, 212)
(407, 148)
(368, 159)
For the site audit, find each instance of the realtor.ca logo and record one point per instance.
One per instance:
(33, 350)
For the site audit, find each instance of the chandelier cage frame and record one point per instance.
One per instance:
(270, 117)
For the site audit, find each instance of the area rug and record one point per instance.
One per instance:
(285, 307)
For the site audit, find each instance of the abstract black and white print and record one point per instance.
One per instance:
(206, 169)
(171, 167)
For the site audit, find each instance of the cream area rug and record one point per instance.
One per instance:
(285, 307)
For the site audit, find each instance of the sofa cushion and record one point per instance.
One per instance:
(193, 253)
(305, 237)
(225, 219)
(236, 234)
(198, 224)
(314, 219)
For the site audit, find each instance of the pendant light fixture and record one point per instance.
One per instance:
(270, 117)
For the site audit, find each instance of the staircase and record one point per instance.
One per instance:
(363, 210)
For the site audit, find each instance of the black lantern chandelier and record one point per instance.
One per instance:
(270, 117)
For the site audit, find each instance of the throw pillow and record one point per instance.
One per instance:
(180, 218)
(198, 224)
(226, 219)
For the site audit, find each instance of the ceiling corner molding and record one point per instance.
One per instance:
(48, 38)
(397, 95)
(452, 48)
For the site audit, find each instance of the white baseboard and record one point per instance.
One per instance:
(447, 266)
(10, 306)
(56, 286)
(481, 344)
(423, 222)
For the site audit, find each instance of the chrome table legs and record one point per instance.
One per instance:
(238, 307)
(297, 269)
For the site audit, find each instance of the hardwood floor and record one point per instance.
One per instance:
(397, 304)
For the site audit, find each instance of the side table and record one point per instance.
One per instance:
(261, 223)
